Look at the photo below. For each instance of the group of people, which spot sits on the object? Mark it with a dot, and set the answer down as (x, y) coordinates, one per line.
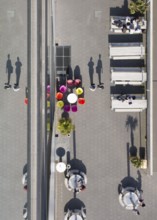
(9, 71)
(126, 97)
(129, 24)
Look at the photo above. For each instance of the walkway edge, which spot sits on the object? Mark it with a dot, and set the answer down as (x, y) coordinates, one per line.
(151, 87)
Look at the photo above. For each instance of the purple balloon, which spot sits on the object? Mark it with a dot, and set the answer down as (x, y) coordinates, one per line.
(63, 89)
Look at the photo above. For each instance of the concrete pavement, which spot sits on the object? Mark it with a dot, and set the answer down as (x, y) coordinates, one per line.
(13, 120)
(102, 139)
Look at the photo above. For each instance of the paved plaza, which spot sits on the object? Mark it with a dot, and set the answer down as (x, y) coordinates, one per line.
(13, 121)
(101, 140)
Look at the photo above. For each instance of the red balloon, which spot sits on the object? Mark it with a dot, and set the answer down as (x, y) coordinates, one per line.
(26, 101)
(81, 101)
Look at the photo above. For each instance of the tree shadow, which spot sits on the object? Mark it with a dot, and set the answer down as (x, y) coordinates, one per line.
(131, 123)
(129, 181)
(65, 115)
(74, 204)
(123, 11)
(133, 151)
(68, 157)
(128, 161)
(74, 144)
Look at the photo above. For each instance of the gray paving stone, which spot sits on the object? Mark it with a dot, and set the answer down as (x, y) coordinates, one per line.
(13, 121)
(101, 134)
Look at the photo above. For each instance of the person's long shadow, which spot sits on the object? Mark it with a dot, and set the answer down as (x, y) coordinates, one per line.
(91, 70)
(9, 68)
(129, 181)
(99, 69)
(18, 65)
(75, 164)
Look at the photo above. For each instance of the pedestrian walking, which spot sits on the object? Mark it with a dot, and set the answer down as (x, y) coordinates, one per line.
(9, 71)
(18, 65)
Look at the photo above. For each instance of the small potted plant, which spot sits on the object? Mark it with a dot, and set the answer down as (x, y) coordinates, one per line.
(65, 126)
(136, 161)
(138, 7)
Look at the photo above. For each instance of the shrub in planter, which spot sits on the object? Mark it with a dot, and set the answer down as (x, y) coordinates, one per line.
(138, 6)
(136, 161)
(65, 126)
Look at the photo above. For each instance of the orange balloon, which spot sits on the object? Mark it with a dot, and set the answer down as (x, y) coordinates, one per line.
(59, 95)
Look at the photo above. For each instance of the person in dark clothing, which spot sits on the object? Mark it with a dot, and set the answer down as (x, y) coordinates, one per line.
(118, 23)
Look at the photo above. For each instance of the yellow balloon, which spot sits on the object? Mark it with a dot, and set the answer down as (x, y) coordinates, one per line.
(60, 104)
(79, 91)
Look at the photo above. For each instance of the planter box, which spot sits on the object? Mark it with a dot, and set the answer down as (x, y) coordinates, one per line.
(143, 164)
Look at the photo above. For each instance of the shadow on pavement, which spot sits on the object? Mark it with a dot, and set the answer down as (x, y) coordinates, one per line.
(127, 63)
(74, 204)
(117, 38)
(123, 11)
